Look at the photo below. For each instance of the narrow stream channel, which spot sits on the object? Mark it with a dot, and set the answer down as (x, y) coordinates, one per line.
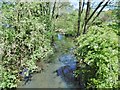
(58, 74)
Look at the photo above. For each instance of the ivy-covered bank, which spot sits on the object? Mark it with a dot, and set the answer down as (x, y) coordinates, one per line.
(24, 41)
(97, 51)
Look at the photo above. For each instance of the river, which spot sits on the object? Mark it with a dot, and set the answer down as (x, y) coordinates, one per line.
(59, 73)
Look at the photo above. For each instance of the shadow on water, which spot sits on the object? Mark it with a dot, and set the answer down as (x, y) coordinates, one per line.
(69, 65)
(64, 68)
(66, 72)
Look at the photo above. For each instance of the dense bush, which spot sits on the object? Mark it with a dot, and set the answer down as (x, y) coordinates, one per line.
(70, 23)
(99, 50)
(23, 39)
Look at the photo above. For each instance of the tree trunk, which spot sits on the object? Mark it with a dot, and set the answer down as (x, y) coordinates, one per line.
(100, 10)
(53, 10)
(86, 16)
(95, 11)
(79, 17)
(98, 13)
(83, 4)
(52, 17)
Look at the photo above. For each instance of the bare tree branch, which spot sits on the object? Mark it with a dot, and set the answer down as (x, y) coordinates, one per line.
(53, 11)
(79, 17)
(100, 10)
(86, 16)
(99, 13)
(95, 11)
(83, 4)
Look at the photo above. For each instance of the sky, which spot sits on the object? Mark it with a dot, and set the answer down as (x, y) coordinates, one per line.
(76, 4)
(73, 2)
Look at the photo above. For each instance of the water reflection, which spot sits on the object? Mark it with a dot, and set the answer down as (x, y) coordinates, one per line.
(66, 72)
(60, 36)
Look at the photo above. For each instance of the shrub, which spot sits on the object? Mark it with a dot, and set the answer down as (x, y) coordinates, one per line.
(99, 50)
(23, 37)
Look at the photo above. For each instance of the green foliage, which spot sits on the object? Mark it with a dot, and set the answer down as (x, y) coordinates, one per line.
(118, 12)
(99, 50)
(68, 23)
(24, 38)
(115, 27)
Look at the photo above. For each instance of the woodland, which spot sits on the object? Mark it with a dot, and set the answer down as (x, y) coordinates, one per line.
(30, 39)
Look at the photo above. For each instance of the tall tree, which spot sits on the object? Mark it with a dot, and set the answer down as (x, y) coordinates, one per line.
(86, 16)
(100, 10)
(99, 5)
(89, 16)
(106, 3)
(53, 10)
(83, 4)
(79, 17)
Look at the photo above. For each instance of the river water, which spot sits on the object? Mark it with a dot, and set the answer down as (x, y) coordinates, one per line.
(58, 74)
